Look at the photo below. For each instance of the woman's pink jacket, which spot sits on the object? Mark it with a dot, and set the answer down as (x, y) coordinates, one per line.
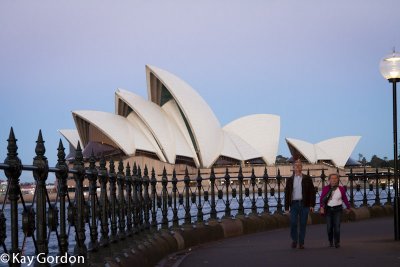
(325, 191)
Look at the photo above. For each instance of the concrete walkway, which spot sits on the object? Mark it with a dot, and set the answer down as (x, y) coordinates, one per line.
(364, 243)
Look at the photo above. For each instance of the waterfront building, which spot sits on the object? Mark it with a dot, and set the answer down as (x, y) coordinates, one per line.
(176, 128)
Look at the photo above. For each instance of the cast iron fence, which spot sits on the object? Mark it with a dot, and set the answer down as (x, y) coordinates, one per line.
(132, 201)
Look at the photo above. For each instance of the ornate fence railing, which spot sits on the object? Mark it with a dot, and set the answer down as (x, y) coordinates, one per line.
(125, 201)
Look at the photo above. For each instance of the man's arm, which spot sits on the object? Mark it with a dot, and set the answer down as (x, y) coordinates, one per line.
(286, 190)
(313, 193)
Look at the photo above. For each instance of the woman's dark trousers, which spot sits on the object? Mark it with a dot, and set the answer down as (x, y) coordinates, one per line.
(333, 217)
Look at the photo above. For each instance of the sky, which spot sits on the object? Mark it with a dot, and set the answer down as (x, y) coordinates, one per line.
(314, 63)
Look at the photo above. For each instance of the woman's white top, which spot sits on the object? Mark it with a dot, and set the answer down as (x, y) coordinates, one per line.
(336, 198)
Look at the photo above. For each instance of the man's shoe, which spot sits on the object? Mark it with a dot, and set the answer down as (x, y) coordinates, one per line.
(331, 244)
(294, 245)
(301, 246)
(337, 245)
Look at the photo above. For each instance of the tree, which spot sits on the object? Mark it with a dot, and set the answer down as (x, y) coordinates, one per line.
(375, 161)
(360, 156)
(364, 161)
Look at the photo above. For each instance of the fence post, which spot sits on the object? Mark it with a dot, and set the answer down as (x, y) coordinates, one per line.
(103, 177)
(92, 176)
(213, 215)
(253, 184)
(112, 177)
(13, 172)
(199, 180)
(240, 178)
(164, 182)
(389, 197)
(62, 176)
(188, 218)
(79, 175)
(121, 200)
(153, 182)
(377, 198)
(265, 178)
(351, 177)
(175, 219)
(365, 200)
(227, 203)
(128, 181)
(135, 199)
(40, 175)
(147, 207)
(323, 177)
(140, 198)
(279, 204)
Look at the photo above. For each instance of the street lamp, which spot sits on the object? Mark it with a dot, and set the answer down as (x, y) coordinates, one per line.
(390, 70)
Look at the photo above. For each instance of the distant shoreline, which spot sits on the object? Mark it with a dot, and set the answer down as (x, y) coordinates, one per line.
(28, 198)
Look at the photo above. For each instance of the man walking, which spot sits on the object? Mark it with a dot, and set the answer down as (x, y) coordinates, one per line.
(299, 200)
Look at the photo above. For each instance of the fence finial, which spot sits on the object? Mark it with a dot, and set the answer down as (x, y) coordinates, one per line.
(120, 166)
(61, 152)
(40, 161)
(186, 171)
(134, 170)
(153, 175)
(128, 169)
(78, 153)
(40, 148)
(12, 147)
(92, 161)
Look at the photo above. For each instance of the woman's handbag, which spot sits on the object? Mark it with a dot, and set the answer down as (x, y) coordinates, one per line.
(328, 196)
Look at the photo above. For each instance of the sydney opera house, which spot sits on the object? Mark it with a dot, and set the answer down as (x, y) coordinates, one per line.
(176, 126)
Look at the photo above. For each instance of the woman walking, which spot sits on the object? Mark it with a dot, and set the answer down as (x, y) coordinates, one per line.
(332, 198)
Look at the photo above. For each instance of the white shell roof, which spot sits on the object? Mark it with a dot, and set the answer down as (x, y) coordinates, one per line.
(126, 135)
(204, 126)
(229, 149)
(72, 136)
(154, 118)
(184, 145)
(338, 149)
(260, 131)
(235, 147)
(137, 123)
(305, 148)
(320, 154)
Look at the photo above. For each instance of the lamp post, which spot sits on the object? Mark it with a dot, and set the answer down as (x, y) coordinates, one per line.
(390, 70)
